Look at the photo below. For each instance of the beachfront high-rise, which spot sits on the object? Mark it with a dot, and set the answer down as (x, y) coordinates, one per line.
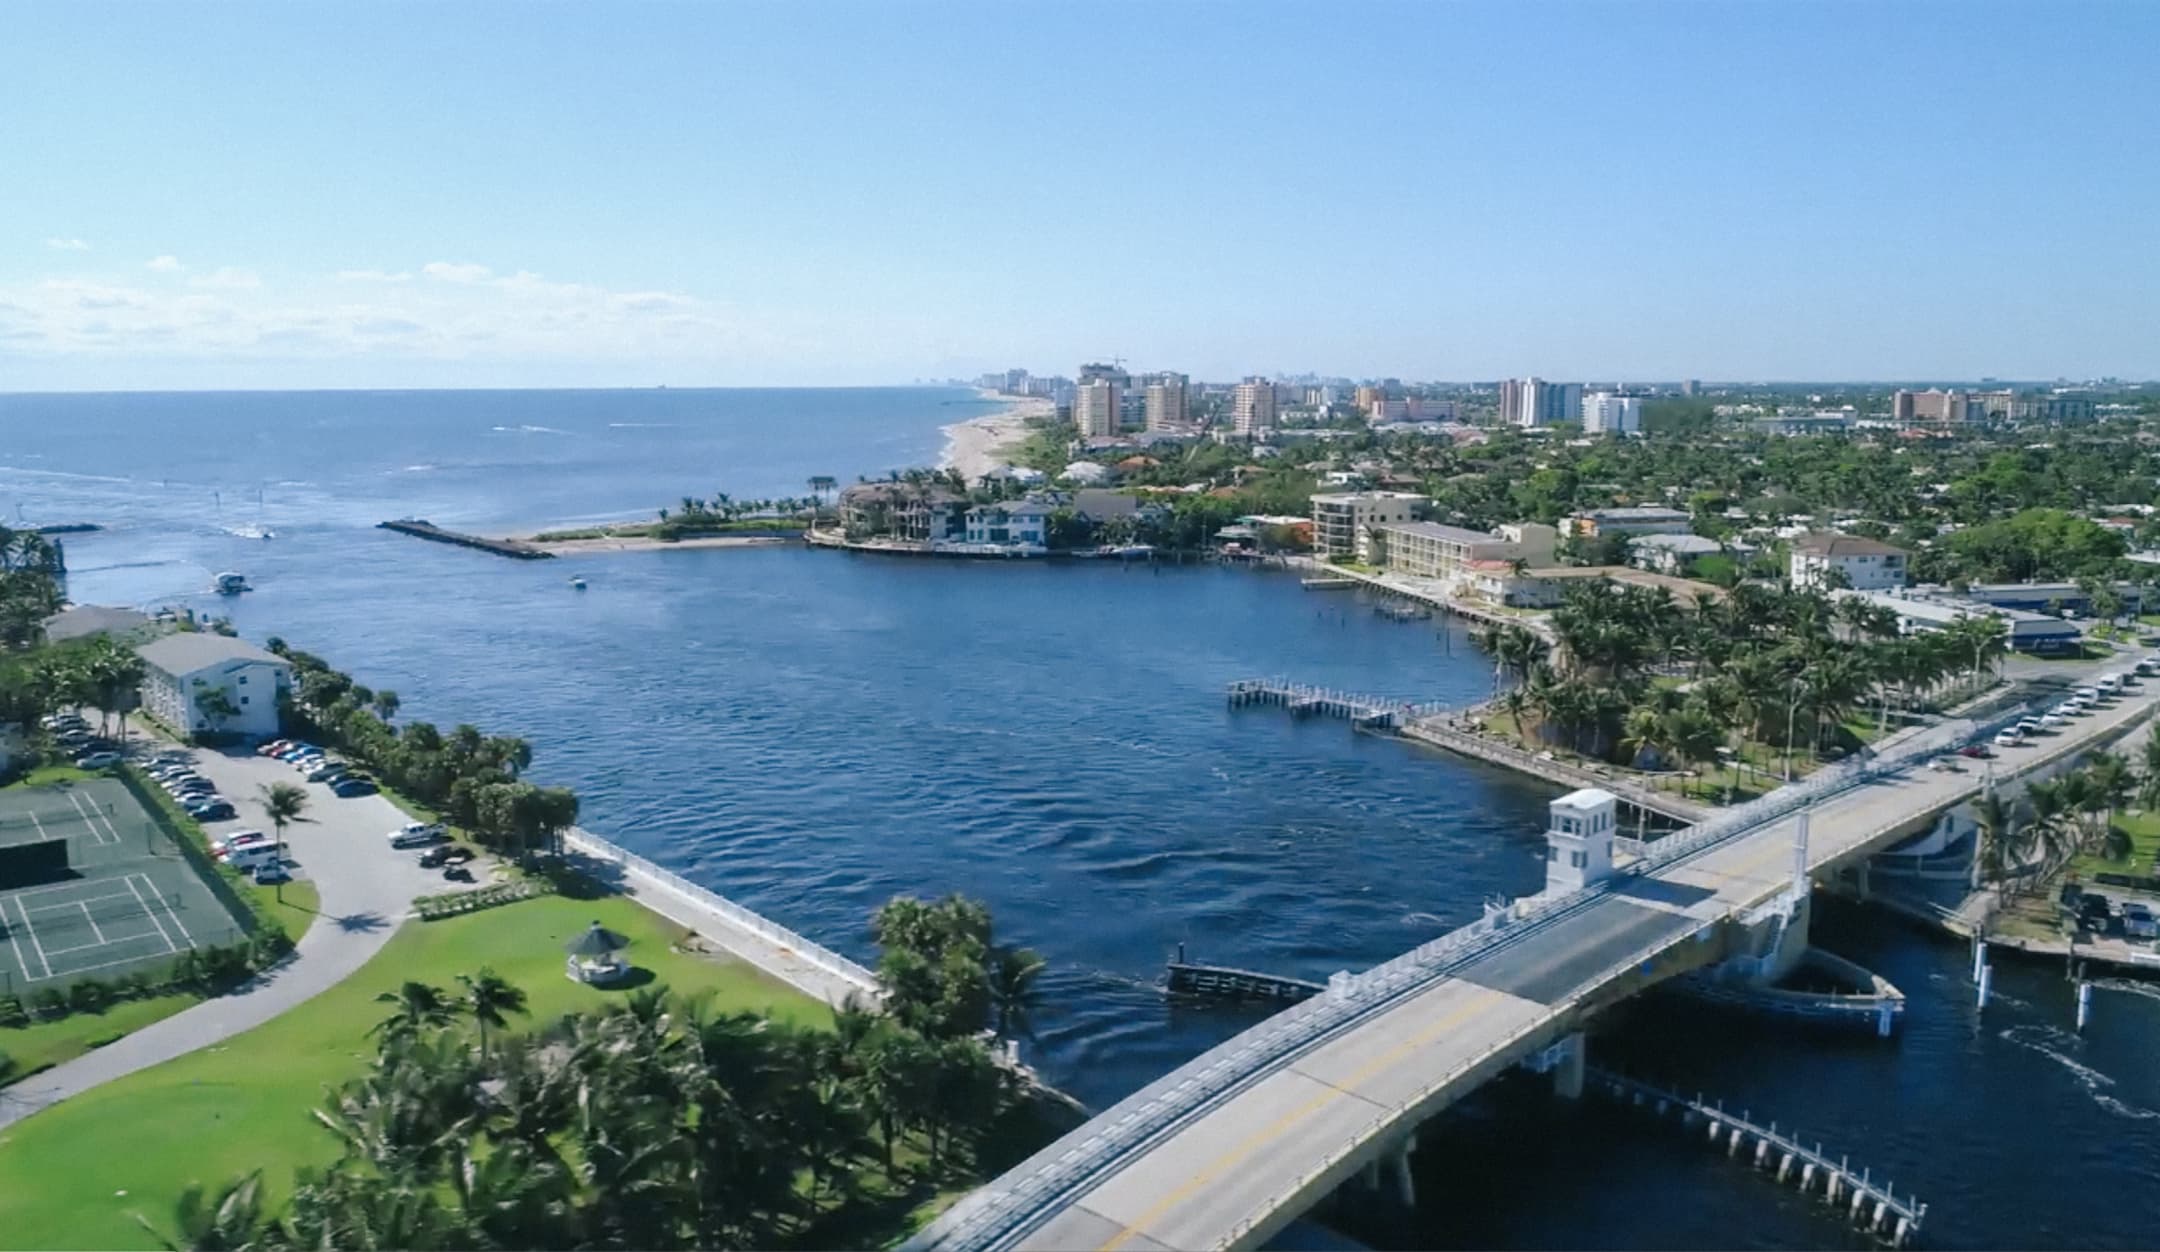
(1096, 403)
(1168, 407)
(1252, 406)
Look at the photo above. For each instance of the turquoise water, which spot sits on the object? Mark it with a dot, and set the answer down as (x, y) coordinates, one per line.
(811, 732)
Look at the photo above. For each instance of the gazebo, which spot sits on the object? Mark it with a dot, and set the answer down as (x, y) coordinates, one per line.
(594, 956)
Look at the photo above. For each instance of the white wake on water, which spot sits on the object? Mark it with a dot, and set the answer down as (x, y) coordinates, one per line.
(2043, 1039)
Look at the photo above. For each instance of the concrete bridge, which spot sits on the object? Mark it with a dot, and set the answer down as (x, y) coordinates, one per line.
(1232, 1146)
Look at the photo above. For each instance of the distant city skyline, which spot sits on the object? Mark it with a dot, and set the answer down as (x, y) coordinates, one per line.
(250, 195)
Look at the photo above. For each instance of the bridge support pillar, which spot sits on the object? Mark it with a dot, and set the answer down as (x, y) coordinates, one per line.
(1371, 1175)
(1860, 879)
(1405, 1186)
(1567, 1075)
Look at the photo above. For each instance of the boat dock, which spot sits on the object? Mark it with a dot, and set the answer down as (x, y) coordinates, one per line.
(1363, 711)
(1872, 1207)
(500, 547)
(1222, 982)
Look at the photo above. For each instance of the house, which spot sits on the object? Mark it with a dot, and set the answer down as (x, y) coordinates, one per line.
(1633, 520)
(1020, 525)
(184, 672)
(1866, 564)
(1431, 550)
(1670, 554)
(84, 621)
(1341, 518)
(909, 512)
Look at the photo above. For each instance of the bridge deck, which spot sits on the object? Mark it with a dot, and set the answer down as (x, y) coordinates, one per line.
(1240, 1167)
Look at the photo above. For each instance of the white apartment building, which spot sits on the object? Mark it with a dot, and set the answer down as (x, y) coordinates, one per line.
(1096, 405)
(1451, 553)
(1341, 518)
(1608, 413)
(180, 672)
(1535, 402)
(1252, 406)
(1168, 405)
(1868, 565)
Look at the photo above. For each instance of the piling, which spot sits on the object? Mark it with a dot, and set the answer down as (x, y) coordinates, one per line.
(2084, 1005)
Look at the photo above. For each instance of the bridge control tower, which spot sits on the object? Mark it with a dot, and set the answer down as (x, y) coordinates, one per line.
(1578, 842)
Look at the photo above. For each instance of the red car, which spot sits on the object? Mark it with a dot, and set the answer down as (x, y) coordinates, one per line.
(1978, 752)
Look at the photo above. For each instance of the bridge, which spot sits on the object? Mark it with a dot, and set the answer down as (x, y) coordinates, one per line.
(1233, 1145)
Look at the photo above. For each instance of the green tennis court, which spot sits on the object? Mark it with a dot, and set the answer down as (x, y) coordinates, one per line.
(91, 886)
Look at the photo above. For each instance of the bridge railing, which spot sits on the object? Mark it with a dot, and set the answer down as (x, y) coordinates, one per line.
(1405, 1110)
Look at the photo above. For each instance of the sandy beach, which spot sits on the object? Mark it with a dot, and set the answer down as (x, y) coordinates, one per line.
(972, 446)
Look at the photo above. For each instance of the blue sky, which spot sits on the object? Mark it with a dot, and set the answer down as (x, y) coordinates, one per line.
(250, 195)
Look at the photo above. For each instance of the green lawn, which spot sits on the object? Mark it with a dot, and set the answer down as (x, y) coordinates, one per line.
(2144, 832)
(50, 776)
(72, 1176)
(36, 1047)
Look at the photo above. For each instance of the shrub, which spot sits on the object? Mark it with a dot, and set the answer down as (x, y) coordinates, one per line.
(11, 1011)
(88, 995)
(48, 1003)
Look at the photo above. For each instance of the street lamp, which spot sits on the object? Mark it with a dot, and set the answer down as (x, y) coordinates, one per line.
(1792, 706)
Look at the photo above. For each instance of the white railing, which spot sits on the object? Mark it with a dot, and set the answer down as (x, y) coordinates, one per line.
(757, 924)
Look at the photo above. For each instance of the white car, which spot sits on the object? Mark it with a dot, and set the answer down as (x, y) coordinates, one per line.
(2009, 738)
(417, 835)
(239, 842)
(98, 760)
(2054, 721)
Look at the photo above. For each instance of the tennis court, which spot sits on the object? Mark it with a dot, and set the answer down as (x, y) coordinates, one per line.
(91, 885)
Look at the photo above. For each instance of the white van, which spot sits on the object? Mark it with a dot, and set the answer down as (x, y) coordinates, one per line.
(2110, 684)
(2086, 695)
(253, 857)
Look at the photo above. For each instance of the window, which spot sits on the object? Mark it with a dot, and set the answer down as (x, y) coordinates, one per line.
(243, 700)
(1578, 859)
(243, 680)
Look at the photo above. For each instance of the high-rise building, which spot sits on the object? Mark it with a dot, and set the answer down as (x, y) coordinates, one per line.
(1167, 405)
(1252, 406)
(1933, 405)
(1535, 402)
(1691, 386)
(1607, 413)
(1096, 407)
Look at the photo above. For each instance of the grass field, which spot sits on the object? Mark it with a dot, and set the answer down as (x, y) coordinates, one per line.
(32, 1048)
(72, 1177)
(2144, 832)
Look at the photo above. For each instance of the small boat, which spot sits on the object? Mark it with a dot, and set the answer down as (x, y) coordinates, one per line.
(230, 583)
(577, 583)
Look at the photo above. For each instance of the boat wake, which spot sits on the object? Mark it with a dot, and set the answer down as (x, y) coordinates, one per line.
(2128, 987)
(528, 430)
(249, 531)
(2044, 1040)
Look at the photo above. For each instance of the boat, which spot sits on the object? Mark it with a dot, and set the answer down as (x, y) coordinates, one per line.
(577, 583)
(230, 583)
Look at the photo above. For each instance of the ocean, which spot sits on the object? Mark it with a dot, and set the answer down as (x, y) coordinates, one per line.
(812, 732)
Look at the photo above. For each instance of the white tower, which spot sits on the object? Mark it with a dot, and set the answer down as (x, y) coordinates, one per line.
(1578, 843)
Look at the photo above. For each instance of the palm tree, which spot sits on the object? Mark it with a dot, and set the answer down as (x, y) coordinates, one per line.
(420, 1006)
(233, 1221)
(1013, 995)
(488, 998)
(1996, 832)
(386, 704)
(282, 802)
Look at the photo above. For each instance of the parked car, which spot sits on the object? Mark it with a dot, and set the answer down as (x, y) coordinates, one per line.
(276, 746)
(2138, 922)
(2093, 915)
(418, 835)
(98, 760)
(289, 755)
(445, 854)
(237, 839)
(270, 873)
(1943, 764)
(60, 721)
(328, 771)
(1977, 751)
(214, 809)
(2054, 721)
(351, 785)
(159, 771)
(458, 873)
(2009, 738)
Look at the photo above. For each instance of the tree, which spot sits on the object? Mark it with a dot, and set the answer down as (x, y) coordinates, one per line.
(386, 704)
(282, 802)
(216, 704)
(488, 999)
(234, 1220)
(1013, 995)
(418, 1006)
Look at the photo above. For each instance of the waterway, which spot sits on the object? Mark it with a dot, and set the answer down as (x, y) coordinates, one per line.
(812, 732)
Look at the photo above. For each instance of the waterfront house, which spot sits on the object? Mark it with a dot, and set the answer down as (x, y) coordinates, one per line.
(910, 512)
(1865, 564)
(182, 671)
(1543, 588)
(1020, 525)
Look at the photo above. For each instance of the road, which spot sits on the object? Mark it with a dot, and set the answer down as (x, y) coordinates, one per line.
(1240, 1165)
(365, 889)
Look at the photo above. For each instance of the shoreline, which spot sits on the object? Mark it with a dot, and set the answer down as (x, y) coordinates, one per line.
(972, 447)
(643, 543)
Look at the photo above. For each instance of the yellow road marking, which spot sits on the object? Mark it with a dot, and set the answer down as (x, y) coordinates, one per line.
(1222, 1164)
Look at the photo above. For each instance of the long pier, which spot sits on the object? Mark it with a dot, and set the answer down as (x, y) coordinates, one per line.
(1873, 1207)
(500, 547)
(1366, 712)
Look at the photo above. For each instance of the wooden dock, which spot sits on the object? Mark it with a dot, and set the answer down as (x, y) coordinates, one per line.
(500, 547)
(1873, 1208)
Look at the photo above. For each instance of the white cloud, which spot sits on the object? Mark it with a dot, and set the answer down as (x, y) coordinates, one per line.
(458, 272)
(227, 278)
(59, 244)
(167, 264)
(374, 276)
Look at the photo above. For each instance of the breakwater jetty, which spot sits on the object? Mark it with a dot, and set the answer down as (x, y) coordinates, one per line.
(511, 548)
(1875, 1208)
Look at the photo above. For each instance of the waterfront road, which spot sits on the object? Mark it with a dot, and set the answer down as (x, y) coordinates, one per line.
(365, 892)
(1229, 1170)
